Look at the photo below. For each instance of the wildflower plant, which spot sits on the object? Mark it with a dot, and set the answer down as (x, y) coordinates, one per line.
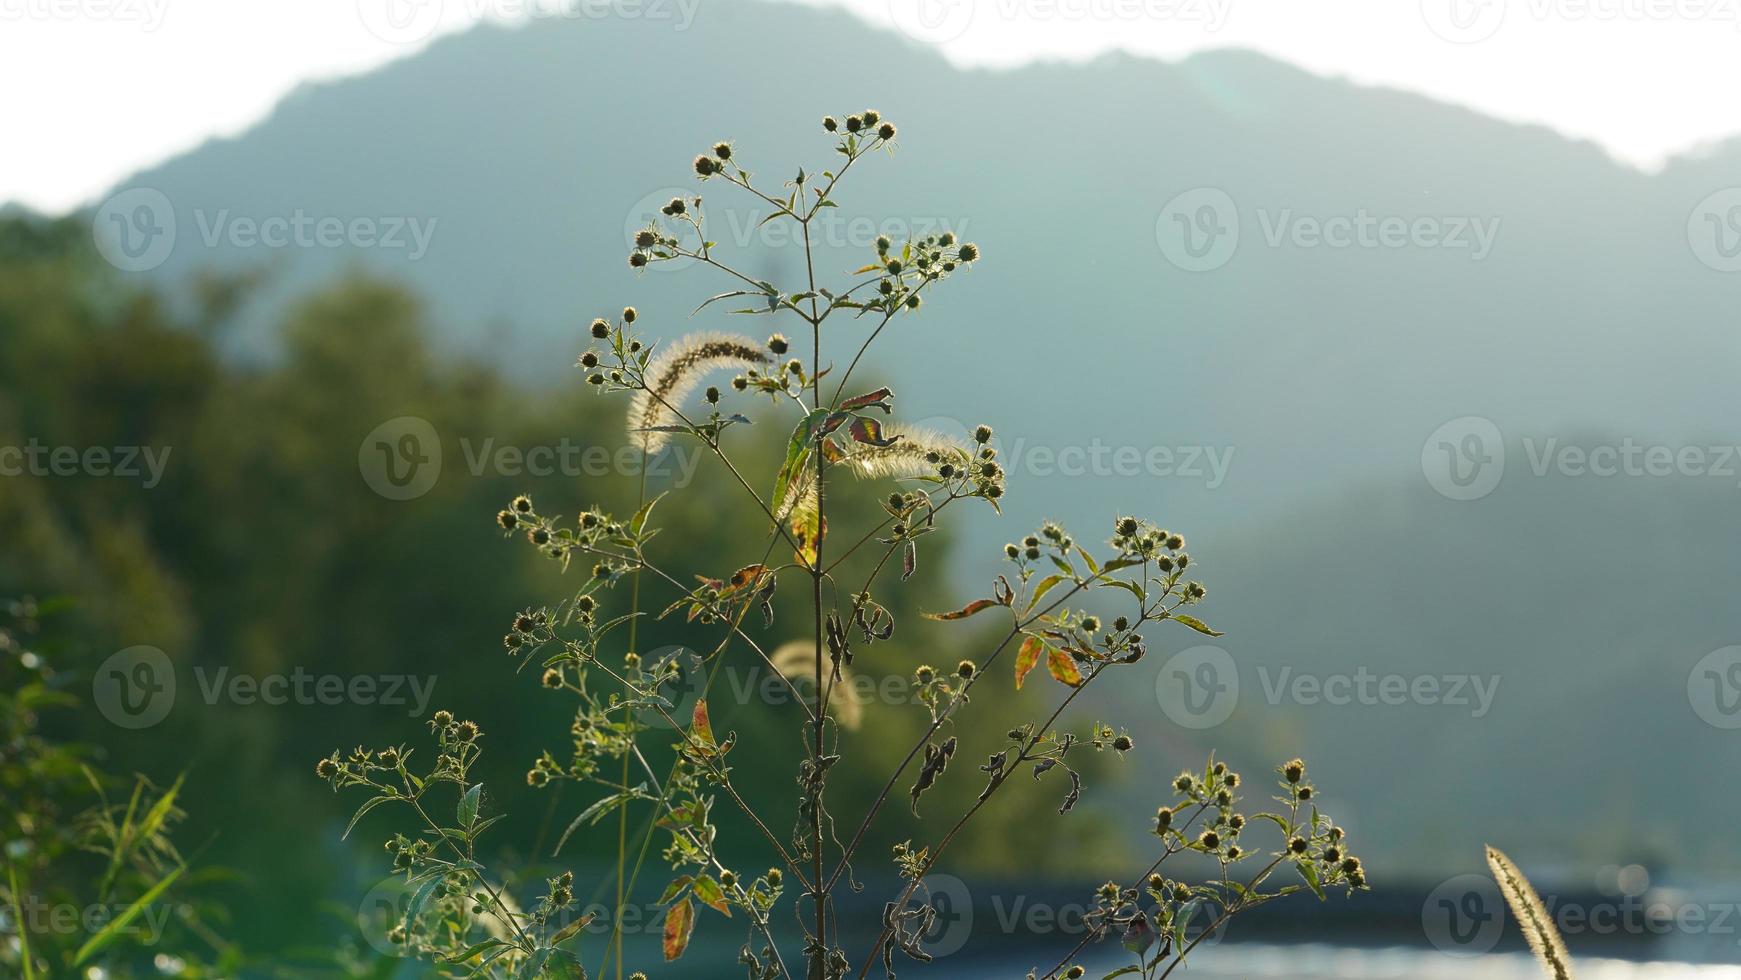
(714, 389)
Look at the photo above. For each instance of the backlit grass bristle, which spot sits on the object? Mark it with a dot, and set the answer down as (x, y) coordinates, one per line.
(677, 370)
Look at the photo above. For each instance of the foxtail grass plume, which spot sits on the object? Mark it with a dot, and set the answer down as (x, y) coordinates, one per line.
(1532, 916)
(909, 455)
(676, 371)
(796, 661)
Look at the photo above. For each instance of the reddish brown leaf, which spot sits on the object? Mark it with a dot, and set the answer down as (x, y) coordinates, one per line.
(976, 606)
(879, 398)
(679, 924)
(700, 726)
(1027, 658)
(870, 432)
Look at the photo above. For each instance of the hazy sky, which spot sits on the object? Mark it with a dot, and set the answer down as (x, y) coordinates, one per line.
(95, 89)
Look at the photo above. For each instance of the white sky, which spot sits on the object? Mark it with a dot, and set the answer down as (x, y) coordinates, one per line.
(91, 90)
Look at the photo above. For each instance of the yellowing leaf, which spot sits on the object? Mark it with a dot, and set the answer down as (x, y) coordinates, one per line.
(701, 726)
(679, 924)
(1027, 658)
(1061, 667)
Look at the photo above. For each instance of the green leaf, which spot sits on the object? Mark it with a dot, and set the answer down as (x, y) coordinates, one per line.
(114, 929)
(475, 949)
(1196, 624)
(1044, 587)
(418, 899)
(640, 519)
(674, 889)
(534, 964)
(598, 811)
(365, 808)
(19, 920)
(467, 811)
(797, 455)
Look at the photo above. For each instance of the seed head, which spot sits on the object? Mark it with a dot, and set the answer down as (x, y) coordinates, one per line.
(829, 124)
(965, 669)
(506, 519)
(722, 150)
(886, 131)
(777, 343)
(968, 252)
(645, 238)
(706, 166)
